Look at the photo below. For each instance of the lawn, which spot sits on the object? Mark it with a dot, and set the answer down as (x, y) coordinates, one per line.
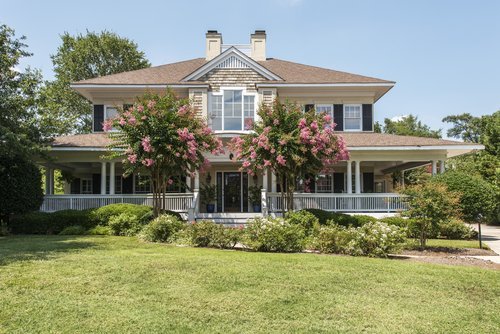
(118, 285)
(445, 243)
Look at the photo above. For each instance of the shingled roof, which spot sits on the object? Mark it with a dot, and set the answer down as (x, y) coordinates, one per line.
(353, 139)
(172, 74)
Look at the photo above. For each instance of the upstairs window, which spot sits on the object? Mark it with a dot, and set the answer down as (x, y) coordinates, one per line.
(231, 110)
(325, 108)
(352, 117)
(109, 113)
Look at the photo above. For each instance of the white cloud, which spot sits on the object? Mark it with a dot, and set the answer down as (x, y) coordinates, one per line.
(398, 118)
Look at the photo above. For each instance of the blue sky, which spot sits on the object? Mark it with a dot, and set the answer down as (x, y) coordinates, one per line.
(444, 55)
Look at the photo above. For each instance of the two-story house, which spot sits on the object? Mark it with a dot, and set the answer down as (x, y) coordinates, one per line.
(226, 87)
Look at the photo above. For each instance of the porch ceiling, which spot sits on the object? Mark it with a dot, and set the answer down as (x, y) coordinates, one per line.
(405, 166)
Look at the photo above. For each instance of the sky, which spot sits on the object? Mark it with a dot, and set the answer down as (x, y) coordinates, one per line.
(443, 54)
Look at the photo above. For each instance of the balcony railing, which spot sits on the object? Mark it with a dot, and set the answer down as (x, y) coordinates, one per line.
(174, 202)
(384, 202)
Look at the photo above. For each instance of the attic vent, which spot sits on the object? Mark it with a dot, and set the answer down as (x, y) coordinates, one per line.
(198, 102)
(232, 62)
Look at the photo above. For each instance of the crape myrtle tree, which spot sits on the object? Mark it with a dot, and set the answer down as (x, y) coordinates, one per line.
(163, 136)
(291, 143)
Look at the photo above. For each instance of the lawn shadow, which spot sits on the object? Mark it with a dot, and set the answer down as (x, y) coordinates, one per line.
(36, 247)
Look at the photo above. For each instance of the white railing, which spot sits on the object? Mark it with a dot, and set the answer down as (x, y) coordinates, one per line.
(173, 202)
(383, 202)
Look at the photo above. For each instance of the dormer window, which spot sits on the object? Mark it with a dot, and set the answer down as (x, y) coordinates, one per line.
(232, 110)
(352, 117)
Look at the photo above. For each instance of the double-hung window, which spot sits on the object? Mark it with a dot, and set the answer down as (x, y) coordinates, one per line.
(352, 117)
(110, 112)
(324, 183)
(232, 110)
(325, 108)
(142, 183)
(86, 186)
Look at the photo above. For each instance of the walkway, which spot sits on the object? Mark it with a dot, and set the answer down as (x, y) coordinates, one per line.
(491, 237)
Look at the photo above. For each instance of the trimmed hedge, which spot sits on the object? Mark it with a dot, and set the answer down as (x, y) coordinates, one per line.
(327, 217)
(162, 229)
(51, 223)
(103, 214)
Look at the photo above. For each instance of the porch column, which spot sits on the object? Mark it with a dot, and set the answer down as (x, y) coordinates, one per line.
(349, 177)
(441, 167)
(103, 178)
(357, 176)
(188, 183)
(273, 183)
(263, 197)
(112, 178)
(192, 212)
(434, 167)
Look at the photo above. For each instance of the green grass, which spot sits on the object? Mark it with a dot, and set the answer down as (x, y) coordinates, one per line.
(63, 284)
(412, 243)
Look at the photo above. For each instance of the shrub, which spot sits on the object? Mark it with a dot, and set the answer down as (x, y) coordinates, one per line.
(227, 237)
(162, 229)
(99, 230)
(408, 225)
(125, 224)
(307, 220)
(274, 235)
(456, 229)
(376, 239)
(201, 234)
(333, 239)
(326, 217)
(103, 214)
(50, 223)
(73, 230)
(477, 196)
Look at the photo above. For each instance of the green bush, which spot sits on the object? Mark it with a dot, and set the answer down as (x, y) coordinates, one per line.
(162, 229)
(326, 217)
(376, 239)
(457, 230)
(477, 196)
(307, 220)
(73, 230)
(125, 224)
(50, 223)
(333, 239)
(274, 235)
(408, 225)
(99, 230)
(227, 237)
(202, 234)
(103, 214)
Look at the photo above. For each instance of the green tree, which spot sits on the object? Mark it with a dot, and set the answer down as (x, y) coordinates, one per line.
(409, 126)
(430, 204)
(78, 58)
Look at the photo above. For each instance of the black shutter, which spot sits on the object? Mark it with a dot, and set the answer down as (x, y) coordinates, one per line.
(96, 183)
(368, 180)
(75, 186)
(308, 107)
(338, 116)
(98, 117)
(367, 117)
(338, 182)
(128, 185)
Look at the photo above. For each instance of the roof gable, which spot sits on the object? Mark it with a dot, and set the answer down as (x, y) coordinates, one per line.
(232, 58)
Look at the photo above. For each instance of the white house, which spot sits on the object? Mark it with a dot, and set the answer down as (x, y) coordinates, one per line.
(226, 87)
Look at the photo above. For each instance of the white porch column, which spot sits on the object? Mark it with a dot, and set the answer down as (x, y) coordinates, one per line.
(263, 198)
(112, 178)
(357, 176)
(273, 182)
(441, 167)
(188, 183)
(49, 181)
(434, 167)
(103, 178)
(193, 211)
(349, 177)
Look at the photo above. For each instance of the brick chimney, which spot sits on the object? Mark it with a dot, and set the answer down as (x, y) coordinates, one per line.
(258, 45)
(213, 44)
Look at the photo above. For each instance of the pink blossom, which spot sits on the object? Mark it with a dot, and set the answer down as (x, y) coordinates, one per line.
(140, 108)
(248, 124)
(132, 158)
(302, 123)
(267, 163)
(327, 118)
(281, 160)
(183, 110)
(146, 144)
(151, 104)
(253, 155)
(107, 125)
(246, 164)
(170, 181)
(147, 162)
(276, 121)
(122, 121)
(282, 142)
(132, 120)
(144, 117)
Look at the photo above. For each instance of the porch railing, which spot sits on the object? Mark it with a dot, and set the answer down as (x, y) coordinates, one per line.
(173, 202)
(383, 202)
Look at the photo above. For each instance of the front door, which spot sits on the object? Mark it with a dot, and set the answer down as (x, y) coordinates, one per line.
(232, 192)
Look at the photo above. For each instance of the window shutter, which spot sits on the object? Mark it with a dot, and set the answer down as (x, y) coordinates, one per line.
(338, 182)
(338, 116)
(96, 183)
(198, 103)
(267, 97)
(368, 180)
(367, 117)
(308, 107)
(75, 186)
(128, 185)
(98, 117)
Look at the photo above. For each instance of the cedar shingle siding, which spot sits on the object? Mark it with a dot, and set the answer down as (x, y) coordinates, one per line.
(231, 78)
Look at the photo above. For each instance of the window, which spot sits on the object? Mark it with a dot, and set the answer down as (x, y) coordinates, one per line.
(142, 183)
(325, 108)
(86, 186)
(352, 117)
(110, 112)
(118, 184)
(324, 183)
(232, 111)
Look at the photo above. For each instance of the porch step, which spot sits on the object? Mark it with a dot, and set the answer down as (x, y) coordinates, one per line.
(228, 219)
